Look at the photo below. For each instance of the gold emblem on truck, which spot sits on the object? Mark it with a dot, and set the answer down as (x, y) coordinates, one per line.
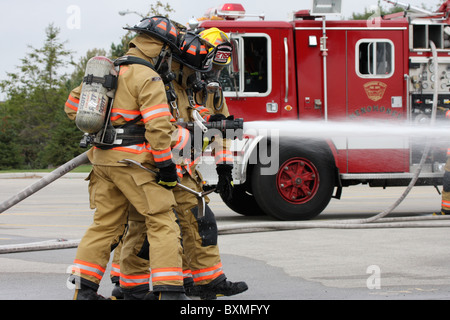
(375, 90)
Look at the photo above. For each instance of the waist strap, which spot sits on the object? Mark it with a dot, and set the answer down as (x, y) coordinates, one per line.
(123, 136)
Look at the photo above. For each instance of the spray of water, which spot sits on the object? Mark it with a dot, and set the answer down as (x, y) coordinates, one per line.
(333, 129)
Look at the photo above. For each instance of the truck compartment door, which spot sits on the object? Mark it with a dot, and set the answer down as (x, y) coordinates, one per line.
(376, 91)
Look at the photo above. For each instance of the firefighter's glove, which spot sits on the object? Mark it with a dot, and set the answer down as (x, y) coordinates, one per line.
(167, 176)
(225, 184)
(206, 143)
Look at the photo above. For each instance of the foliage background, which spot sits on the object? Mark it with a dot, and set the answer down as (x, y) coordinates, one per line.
(35, 132)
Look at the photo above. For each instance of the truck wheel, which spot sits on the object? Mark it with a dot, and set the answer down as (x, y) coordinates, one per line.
(243, 203)
(301, 188)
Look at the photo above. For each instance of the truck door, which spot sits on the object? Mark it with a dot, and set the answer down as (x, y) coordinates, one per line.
(263, 87)
(376, 90)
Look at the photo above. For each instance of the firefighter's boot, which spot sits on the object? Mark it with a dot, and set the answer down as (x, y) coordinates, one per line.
(139, 293)
(173, 295)
(86, 293)
(189, 288)
(443, 212)
(220, 288)
(117, 292)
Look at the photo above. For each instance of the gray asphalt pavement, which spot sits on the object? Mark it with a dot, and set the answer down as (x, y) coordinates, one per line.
(390, 263)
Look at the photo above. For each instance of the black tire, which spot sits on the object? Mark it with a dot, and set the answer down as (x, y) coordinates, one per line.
(303, 185)
(243, 202)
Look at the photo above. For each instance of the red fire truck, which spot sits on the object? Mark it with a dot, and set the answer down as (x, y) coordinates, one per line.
(314, 68)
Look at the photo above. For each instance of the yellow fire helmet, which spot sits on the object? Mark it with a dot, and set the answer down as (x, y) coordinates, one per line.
(222, 45)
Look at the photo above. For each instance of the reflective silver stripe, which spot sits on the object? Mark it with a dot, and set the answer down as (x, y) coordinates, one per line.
(135, 280)
(115, 269)
(167, 275)
(445, 204)
(136, 148)
(127, 116)
(73, 104)
(207, 273)
(155, 112)
(162, 155)
(82, 267)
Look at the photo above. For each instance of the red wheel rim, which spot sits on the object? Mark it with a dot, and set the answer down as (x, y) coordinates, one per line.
(297, 180)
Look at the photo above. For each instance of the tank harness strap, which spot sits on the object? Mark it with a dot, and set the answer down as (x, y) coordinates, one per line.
(129, 133)
(133, 60)
(167, 77)
(109, 81)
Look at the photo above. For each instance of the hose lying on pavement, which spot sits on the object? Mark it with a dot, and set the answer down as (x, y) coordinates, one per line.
(401, 222)
(41, 245)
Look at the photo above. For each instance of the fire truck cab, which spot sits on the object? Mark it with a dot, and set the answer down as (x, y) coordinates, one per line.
(313, 68)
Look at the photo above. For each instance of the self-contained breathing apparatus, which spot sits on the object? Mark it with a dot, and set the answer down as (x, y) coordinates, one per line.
(101, 133)
(100, 82)
(95, 83)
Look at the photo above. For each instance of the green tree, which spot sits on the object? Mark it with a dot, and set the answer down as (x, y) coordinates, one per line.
(35, 96)
(388, 9)
(10, 156)
(368, 13)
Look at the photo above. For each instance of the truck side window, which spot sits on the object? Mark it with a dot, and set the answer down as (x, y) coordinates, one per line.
(374, 58)
(253, 77)
(255, 63)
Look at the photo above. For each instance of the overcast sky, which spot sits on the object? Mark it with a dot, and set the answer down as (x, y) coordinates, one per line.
(87, 24)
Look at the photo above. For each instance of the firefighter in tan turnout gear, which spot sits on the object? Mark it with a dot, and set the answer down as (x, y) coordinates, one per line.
(203, 271)
(140, 109)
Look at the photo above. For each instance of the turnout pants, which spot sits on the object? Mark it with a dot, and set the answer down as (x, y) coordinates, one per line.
(201, 258)
(112, 190)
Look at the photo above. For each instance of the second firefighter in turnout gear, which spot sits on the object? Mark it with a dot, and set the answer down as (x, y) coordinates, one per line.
(203, 271)
(445, 205)
(140, 104)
